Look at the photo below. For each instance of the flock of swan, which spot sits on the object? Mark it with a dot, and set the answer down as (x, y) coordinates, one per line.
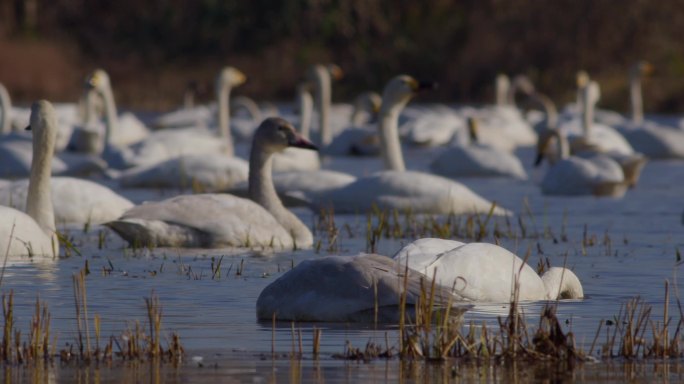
(44, 181)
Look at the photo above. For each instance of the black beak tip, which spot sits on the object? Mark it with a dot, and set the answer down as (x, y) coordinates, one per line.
(427, 85)
(28, 128)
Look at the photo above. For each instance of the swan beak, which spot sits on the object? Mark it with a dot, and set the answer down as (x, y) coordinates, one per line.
(336, 72)
(538, 159)
(647, 68)
(28, 128)
(300, 142)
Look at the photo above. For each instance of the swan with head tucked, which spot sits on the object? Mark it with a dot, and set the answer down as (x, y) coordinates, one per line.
(220, 220)
(33, 233)
(477, 160)
(359, 288)
(483, 272)
(396, 188)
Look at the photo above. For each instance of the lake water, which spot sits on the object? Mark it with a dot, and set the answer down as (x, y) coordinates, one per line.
(635, 238)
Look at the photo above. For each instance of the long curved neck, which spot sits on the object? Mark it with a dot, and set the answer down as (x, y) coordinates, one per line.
(562, 145)
(389, 138)
(322, 104)
(305, 105)
(550, 111)
(262, 191)
(635, 97)
(223, 100)
(39, 199)
(111, 115)
(587, 113)
(5, 108)
(248, 105)
(502, 87)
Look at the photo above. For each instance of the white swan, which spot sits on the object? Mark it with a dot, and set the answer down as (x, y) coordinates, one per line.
(584, 145)
(572, 175)
(485, 272)
(33, 233)
(75, 201)
(359, 138)
(166, 144)
(657, 141)
(397, 188)
(348, 289)
(219, 220)
(477, 160)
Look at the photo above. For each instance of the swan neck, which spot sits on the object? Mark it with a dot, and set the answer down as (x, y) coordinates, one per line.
(39, 199)
(502, 88)
(262, 191)
(587, 114)
(636, 98)
(305, 105)
(322, 104)
(111, 114)
(562, 145)
(389, 138)
(550, 111)
(223, 100)
(5, 108)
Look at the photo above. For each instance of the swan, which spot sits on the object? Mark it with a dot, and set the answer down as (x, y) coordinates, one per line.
(33, 233)
(358, 138)
(654, 140)
(75, 201)
(483, 272)
(165, 144)
(320, 77)
(348, 289)
(585, 146)
(220, 220)
(396, 188)
(597, 175)
(477, 160)
(297, 159)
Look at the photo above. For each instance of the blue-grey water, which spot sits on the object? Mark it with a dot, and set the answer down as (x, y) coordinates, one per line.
(635, 245)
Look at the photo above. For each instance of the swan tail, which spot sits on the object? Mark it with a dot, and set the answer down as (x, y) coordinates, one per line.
(155, 233)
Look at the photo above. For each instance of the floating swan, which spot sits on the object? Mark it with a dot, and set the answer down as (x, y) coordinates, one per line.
(572, 175)
(75, 201)
(485, 272)
(166, 144)
(347, 289)
(397, 188)
(220, 220)
(654, 140)
(477, 160)
(33, 233)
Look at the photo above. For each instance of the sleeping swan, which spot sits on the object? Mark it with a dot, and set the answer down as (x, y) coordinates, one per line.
(346, 289)
(221, 220)
(486, 272)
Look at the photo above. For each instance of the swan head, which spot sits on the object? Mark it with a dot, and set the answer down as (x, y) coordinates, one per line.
(399, 91)
(642, 67)
(582, 79)
(336, 73)
(331, 71)
(98, 80)
(562, 283)
(523, 84)
(275, 134)
(42, 115)
(230, 77)
(368, 101)
(592, 92)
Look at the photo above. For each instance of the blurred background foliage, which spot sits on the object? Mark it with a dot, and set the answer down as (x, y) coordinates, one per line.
(152, 49)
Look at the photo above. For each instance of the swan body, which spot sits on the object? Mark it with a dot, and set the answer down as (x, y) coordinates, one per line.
(345, 289)
(209, 172)
(483, 272)
(75, 201)
(397, 188)
(477, 159)
(218, 220)
(596, 174)
(33, 233)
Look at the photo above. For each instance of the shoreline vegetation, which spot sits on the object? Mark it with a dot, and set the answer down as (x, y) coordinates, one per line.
(154, 53)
